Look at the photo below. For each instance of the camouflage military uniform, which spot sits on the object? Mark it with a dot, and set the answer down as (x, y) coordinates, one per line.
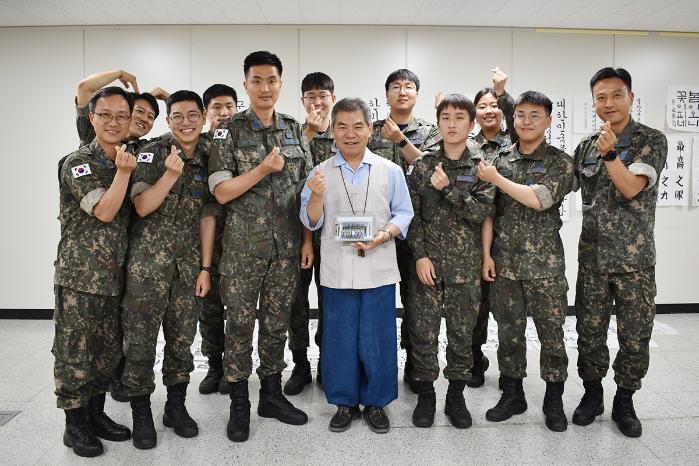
(426, 137)
(447, 230)
(212, 312)
(162, 269)
(86, 132)
(530, 263)
(89, 279)
(491, 149)
(322, 147)
(261, 240)
(616, 256)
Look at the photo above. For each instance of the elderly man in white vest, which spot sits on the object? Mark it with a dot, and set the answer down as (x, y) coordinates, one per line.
(361, 202)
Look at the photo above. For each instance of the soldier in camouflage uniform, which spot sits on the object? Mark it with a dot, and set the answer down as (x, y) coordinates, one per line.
(532, 179)
(450, 204)
(402, 138)
(144, 113)
(259, 162)
(318, 98)
(617, 170)
(220, 103)
(492, 104)
(169, 266)
(89, 276)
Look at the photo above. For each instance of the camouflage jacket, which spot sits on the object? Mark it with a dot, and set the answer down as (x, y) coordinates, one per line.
(447, 228)
(527, 243)
(264, 220)
(322, 145)
(421, 134)
(617, 233)
(169, 236)
(505, 138)
(91, 253)
(86, 132)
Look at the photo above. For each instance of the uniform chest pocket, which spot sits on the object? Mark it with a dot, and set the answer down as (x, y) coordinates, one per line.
(170, 204)
(198, 185)
(534, 174)
(293, 161)
(416, 140)
(247, 158)
(590, 166)
(506, 172)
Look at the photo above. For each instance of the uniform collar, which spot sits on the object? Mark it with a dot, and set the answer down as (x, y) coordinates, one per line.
(197, 158)
(538, 154)
(468, 158)
(257, 125)
(624, 138)
(99, 155)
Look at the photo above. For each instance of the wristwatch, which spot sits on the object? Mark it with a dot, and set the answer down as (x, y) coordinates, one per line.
(609, 156)
(206, 269)
(388, 232)
(446, 190)
(403, 142)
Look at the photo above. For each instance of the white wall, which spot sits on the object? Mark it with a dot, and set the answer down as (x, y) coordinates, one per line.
(43, 65)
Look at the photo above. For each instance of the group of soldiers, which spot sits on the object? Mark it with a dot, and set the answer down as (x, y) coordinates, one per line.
(196, 226)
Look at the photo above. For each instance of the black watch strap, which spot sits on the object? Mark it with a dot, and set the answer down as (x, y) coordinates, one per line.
(446, 190)
(209, 269)
(403, 142)
(609, 156)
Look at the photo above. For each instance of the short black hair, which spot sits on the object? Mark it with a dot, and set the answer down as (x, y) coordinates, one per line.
(148, 98)
(182, 96)
(483, 92)
(403, 74)
(317, 80)
(534, 98)
(262, 57)
(457, 101)
(218, 90)
(352, 104)
(108, 92)
(609, 72)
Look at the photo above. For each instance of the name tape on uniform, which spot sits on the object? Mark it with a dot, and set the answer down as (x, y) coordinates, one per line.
(81, 170)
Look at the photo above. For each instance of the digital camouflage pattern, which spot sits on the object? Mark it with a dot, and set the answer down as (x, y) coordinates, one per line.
(423, 135)
(91, 254)
(264, 221)
(617, 233)
(546, 301)
(447, 230)
(163, 265)
(633, 294)
(148, 303)
(527, 244)
(616, 256)
(275, 281)
(86, 347)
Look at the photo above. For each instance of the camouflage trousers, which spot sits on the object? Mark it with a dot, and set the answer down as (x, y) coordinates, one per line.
(480, 331)
(274, 281)
(86, 345)
(300, 311)
(211, 321)
(545, 300)
(408, 284)
(147, 304)
(634, 296)
(459, 304)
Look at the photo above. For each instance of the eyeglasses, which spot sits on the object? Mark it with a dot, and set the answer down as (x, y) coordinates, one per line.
(178, 118)
(533, 117)
(398, 88)
(313, 98)
(120, 118)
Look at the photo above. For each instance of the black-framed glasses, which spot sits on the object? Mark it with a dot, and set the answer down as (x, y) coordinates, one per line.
(120, 118)
(192, 117)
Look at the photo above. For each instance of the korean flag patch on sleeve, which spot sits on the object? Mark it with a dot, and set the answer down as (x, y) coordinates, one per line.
(221, 133)
(145, 157)
(81, 170)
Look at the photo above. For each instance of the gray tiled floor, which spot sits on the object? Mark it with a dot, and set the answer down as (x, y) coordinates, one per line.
(668, 405)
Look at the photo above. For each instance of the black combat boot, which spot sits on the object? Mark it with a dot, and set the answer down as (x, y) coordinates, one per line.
(512, 401)
(455, 406)
(275, 405)
(423, 415)
(144, 436)
(116, 388)
(591, 405)
(480, 365)
(238, 429)
(408, 371)
(624, 415)
(553, 407)
(301, 375)
(101, 425)
(176, 415)
(77, 434)
(213, 377)
(224, 387)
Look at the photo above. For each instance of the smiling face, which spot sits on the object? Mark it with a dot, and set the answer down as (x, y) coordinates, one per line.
(185, 121)
(263, 85)
(488, 114)
(531, 122)
(142, 119)
(454, 124)
(612, 101)
(351, 134)
(318, 99)
(111, 119)
(402, 95)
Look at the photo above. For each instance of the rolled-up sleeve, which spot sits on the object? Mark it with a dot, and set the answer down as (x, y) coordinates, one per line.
(305, 197)
(91, 199)
(401, 206)
(216, 178)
